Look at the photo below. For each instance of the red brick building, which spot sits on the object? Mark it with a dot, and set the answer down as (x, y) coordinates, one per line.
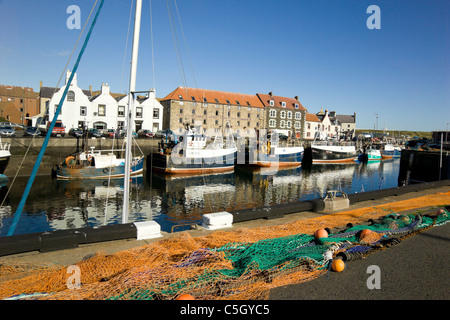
(18, 104)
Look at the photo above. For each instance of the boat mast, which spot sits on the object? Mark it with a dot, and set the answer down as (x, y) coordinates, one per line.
(134, 58)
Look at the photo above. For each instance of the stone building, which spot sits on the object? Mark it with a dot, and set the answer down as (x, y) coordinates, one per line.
(284, 115)
(212, 109)
(18, 104)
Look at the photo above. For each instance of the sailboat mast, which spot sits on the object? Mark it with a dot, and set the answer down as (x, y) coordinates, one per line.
(131, 99)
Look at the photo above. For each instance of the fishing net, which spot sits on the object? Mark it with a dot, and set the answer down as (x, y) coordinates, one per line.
(236, 264)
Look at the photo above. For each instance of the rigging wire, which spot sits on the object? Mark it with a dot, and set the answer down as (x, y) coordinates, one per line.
(54, 91)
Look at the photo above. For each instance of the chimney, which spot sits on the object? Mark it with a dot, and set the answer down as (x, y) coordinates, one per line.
(40, 85)
(296, 98)
(105, 88)
(270, 93)
(90, 89)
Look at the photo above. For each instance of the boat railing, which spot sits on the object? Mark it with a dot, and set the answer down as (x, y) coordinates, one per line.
(5, 146)
(333, 143)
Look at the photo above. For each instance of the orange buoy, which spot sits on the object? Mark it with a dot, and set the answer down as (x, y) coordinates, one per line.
(365, 232)
(338, 265)
(185, 296)
(321, 233)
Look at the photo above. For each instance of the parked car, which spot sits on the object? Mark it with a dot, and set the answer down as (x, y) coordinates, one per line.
(94, 133)
(76, 132)
(7, 131)
(144, 133)
(113, 133)
(32, 131)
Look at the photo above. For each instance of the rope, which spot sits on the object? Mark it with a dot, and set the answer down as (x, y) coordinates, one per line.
(40, 121)
(50, 129)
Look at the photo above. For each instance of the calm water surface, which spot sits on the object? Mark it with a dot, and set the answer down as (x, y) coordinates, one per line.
(171, 201)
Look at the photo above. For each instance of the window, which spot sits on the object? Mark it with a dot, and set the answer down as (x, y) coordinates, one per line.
(282, 123)
(298, 116)
(71, 96)
(204, 121)
(181, 120)
(289, 114)
(204, 112)
(297, 125)
(273, 113)
(180, 96)
(120, 125)
(193, 98)
(288, 124)
(217, 101)
(309, 125)
(121, 111)
(283, 104)
(83, 111)
(272, 103)
(193, 111)
(56, 108)
(101, 110)
(228, 101)
(282, 114)
(181, 111)
(216, 122)
(239, 114)
(155, 113)
(248, 115)
(204, 100)
(272, 123)
(139, 112)
(217, 112)
(237, 102)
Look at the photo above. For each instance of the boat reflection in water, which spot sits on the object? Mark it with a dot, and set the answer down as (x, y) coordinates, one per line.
(173, 200)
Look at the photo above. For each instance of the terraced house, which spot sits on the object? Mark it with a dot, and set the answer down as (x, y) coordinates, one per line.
(212, 109)
(284, 115)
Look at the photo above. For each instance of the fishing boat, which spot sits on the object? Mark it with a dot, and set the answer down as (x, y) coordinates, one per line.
(191, 154)
(370, 154)
(390, 151)
(95, 164)
(5, 156)
(272, 154)
(333, 153)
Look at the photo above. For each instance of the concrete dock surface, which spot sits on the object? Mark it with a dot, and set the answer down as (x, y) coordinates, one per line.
(417, 268)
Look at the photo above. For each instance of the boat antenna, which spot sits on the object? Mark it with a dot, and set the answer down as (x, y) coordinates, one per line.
(132, 91)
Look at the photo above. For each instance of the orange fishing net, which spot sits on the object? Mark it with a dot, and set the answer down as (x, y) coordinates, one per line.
(240, 263)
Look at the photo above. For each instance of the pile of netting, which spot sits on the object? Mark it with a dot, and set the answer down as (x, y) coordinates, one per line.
(235, 264)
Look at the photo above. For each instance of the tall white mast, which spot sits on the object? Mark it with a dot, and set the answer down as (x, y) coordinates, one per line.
(130, 110)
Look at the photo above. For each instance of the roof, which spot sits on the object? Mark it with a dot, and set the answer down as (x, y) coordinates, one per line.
(311, 117)
(290, 102)
(19, 92)
(47, 92)
(214, 96)
(345, 118)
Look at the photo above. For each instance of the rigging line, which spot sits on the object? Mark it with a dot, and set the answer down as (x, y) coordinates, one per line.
(54, 91)
(126, 47)
(151, 36)
(185, 43)
(50, 129)
(175, 42)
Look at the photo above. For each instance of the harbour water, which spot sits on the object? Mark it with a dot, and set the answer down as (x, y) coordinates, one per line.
(176, 202)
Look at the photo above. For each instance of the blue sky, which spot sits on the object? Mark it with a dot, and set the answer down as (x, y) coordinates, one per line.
(318, 50)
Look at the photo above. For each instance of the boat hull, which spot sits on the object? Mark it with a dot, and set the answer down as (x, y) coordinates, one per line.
(281, 157)
(88, 172)
(333, 154)
(4, 161)
(191, 165)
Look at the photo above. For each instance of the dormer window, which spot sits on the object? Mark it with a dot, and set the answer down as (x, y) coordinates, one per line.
(272, 103)
(180, 96)
(204, 100)
(217, 101)
(296, 106)
(283, 104)
(193, 98)
(237, 102)
(228, 101)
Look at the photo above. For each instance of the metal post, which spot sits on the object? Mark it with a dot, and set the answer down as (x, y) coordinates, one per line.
(134, 58)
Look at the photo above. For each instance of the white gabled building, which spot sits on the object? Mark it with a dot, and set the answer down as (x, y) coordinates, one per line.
(104, 111)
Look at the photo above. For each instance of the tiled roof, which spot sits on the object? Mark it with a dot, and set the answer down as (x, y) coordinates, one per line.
(290, 102)
(345, 118)
(213, 96)
(19, 92)
(312, 117)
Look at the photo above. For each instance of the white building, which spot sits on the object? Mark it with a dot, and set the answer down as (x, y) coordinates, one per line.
(103, 111)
